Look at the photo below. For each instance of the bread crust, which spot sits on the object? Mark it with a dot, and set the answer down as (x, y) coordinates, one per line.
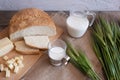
(36, 47)
(29, 52)
(27, 13)
(30, 17)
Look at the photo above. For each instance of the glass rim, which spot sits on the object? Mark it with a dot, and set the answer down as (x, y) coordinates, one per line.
(50, 43)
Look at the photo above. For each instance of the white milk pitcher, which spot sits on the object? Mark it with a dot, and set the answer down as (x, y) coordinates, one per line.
(77, 23)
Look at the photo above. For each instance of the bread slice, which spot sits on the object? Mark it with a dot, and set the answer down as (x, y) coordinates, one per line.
(5, 46)
(40, 42)
(21, 47)
(31, 22)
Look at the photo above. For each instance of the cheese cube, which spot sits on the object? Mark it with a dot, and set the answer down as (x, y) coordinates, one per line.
(17, 58)
(11, 66)
(7, 73)
(16, 69)
(21, 57)
(15, 64)
(10, 62)
(1, 67)
(5, 58)
(19, 61)
(13, 60)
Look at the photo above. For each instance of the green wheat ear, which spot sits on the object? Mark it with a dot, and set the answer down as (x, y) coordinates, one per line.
(106, 38)
(79, 59)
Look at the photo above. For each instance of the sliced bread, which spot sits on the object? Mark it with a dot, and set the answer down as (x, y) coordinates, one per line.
(30, 22)
(40, 42)
(21, 47)
(5, 46)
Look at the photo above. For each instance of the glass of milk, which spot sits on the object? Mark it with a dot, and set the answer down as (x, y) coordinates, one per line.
(57, 53)
(78, 22)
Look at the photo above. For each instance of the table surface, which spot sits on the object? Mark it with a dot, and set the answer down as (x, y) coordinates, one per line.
(43, 70)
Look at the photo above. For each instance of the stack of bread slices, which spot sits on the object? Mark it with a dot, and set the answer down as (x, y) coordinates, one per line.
(29, 29)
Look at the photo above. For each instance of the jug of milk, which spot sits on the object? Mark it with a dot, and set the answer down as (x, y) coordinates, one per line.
(77, 22)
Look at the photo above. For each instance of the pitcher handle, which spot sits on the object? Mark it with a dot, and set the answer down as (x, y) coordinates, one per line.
(93, 17)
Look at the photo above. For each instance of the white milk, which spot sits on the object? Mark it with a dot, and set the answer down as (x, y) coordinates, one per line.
(77, 25)
(57, 53)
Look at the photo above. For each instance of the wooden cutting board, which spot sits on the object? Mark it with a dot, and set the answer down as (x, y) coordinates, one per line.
(29, 60)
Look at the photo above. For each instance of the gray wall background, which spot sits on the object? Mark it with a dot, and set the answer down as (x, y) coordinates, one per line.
(96, 5)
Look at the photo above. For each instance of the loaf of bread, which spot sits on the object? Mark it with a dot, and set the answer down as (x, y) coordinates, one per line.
(31, 22)
(21, 47)
(5, 46)
(40, 42)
